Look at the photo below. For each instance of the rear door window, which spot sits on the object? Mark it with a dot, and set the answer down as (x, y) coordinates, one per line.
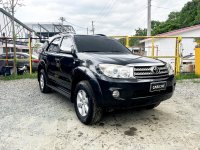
(66, 44)
(54, 46)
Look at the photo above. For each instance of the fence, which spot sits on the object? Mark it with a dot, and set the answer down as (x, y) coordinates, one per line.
(22, 45)
(151, 42)
(176, 42)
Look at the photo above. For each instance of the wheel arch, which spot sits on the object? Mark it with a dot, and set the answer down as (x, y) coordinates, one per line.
(40, 67)
(81, 74)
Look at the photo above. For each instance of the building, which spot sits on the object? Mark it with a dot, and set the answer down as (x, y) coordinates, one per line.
(22, 32)
(50, 29)
(166, 46)
(137, 50)
(188, 63)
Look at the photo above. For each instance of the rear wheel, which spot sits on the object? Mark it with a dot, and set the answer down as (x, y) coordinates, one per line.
(43, 82)
(85, 104)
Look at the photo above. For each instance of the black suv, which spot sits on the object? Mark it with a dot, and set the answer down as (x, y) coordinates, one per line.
(98, 73)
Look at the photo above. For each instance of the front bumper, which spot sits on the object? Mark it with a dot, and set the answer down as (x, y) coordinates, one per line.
(134, 93)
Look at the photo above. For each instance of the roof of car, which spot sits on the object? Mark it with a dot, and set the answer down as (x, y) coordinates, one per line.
(67, 34)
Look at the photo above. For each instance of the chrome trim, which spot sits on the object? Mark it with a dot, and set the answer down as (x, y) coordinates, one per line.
(146, 64)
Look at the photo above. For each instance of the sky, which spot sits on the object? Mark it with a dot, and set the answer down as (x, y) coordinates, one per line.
(111, 17)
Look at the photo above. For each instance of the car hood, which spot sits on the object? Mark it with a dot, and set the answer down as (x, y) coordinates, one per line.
(120, 59)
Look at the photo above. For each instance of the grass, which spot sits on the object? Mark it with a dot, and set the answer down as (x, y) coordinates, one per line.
(34, 76)
(187, 76)
(196, 81)
(17, 77)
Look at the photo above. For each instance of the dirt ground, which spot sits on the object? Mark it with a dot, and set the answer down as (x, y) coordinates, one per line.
(31, 120)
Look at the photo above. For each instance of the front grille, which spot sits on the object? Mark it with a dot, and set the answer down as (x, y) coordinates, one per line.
(145, 72)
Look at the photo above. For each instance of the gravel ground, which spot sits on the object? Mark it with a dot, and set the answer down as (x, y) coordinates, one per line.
(32, 120)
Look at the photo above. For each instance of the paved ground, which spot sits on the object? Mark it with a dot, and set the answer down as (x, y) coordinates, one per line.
(31, 120)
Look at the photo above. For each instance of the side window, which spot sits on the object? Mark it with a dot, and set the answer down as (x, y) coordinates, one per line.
(54, 46)
(66, 44)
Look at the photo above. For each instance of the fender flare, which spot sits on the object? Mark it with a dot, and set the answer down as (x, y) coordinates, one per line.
(83, 73)
(41, 66)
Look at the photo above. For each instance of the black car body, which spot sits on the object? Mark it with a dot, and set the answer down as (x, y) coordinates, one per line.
(74, 64)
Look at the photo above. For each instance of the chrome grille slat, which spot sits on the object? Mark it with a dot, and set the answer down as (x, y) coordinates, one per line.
(144, 72)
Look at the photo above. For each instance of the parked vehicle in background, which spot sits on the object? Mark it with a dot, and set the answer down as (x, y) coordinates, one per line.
(99, 73)
(22, 60)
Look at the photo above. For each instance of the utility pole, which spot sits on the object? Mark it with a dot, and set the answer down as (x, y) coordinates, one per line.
(13, 35)
(62, 19)
(149, 19)
(93, 27)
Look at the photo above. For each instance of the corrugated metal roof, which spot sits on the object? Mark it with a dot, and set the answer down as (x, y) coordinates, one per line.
(176, 32)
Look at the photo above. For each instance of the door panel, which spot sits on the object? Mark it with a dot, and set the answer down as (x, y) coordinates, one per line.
(50, 54)
(67, 62)
(65, 70)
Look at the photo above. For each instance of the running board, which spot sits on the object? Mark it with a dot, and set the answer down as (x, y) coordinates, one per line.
(60, 90)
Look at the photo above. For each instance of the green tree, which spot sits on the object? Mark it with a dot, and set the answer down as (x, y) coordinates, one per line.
(188, 16)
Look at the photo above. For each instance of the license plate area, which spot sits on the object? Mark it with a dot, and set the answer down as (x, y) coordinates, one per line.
(158, 86)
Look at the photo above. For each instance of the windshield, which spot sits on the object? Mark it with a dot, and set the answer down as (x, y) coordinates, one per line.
(88, 43)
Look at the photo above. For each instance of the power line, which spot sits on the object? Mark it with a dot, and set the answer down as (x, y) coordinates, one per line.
(105, 7)
(75, 25)
(160, 7)
(109, 8)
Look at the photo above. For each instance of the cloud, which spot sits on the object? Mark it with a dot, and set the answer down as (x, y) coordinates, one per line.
(111, 17)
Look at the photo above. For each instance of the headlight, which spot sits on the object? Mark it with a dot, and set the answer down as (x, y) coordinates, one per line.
(170, 69)
(116, 71)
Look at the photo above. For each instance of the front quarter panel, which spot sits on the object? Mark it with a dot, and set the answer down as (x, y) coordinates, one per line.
(84, 73)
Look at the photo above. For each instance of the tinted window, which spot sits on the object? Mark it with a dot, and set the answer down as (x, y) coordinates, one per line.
(67, 44)
(54, 46)
(87, 43)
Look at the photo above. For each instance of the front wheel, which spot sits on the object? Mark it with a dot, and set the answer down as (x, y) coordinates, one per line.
(85, 104)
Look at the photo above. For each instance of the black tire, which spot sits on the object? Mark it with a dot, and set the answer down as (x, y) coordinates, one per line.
(43, 87)
(94, 113)
(152, 106)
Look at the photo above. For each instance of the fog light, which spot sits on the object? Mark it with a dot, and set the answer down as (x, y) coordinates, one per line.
(115, 94)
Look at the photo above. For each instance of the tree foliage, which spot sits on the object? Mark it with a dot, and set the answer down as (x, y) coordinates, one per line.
(188, 16)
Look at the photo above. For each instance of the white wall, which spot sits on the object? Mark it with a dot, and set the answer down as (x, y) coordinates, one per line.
(166, 47)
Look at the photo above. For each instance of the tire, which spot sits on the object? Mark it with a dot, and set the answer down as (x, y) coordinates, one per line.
(43, 82)
(85, 104)
(152, 106)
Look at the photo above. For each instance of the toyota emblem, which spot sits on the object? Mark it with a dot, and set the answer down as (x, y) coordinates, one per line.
(155, 70)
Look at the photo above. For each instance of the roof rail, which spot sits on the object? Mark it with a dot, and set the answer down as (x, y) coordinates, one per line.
(100, 34)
